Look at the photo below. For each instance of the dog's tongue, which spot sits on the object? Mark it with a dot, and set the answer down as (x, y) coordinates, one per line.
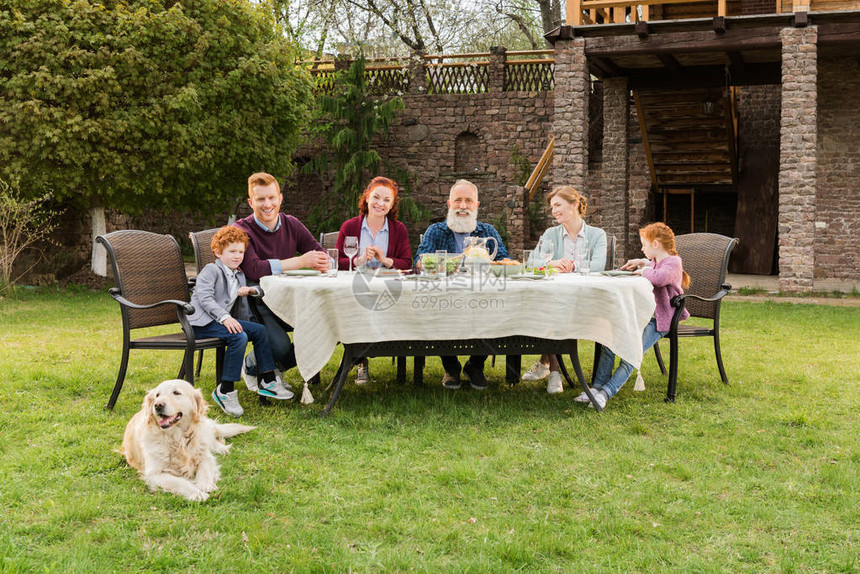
(167, 421)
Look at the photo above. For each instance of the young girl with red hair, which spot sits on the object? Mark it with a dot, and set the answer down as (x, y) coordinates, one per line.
(663, 268)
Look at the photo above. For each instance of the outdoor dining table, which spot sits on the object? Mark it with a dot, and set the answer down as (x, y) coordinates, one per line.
(410, 315)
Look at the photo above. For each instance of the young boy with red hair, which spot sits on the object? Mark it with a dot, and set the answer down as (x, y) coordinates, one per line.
(221, 310)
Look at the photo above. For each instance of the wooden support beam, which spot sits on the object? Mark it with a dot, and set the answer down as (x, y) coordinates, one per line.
(719, 24)
(838, 34)
(672, 64)
(596, 69)
(738, 65)
(608, 65)
(641, 29)
(801, 20)
(680, 42)
(643, 128)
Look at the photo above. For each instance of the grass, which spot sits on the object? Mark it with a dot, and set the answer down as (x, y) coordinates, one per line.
(759, 476)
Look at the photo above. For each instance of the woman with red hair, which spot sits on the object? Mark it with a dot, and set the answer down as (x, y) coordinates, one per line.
(383, 242)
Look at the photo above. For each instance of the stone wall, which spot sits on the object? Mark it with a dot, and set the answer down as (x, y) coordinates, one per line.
(798, 161)
(424, 143)
(837, 206)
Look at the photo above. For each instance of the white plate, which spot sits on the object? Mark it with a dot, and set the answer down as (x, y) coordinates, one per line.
(616, 273)
(532, 276)
(301, 273)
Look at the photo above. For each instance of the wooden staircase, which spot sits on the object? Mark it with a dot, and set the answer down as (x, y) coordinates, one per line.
(690, 136)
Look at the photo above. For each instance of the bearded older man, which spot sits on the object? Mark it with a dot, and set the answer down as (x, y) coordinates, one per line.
(462, 222)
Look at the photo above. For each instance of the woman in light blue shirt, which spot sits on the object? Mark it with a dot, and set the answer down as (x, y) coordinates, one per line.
(575, 244)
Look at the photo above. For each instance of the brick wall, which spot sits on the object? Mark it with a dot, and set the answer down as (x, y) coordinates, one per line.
(837, 207)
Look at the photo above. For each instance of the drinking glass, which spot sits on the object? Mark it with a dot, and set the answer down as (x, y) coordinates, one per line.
(350, 248)
(441, 263)
(528, 261)
(331, 268)
(546, 249)
(577, 259)
(585, 260)
(428, 264)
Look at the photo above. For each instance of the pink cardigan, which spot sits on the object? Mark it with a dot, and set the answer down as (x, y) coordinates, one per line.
(398, 242)
(666, 276)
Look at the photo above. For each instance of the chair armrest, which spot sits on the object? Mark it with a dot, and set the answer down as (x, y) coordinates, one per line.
(186, 308)
(719, 295)
(678, 302)
(726, 287)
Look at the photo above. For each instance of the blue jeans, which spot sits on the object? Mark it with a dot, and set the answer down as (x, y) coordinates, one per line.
(236, 344)
(610, 383)
(281, 347)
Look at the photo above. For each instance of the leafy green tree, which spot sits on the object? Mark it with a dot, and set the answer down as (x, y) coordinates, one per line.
(349, 119)
(146, 103)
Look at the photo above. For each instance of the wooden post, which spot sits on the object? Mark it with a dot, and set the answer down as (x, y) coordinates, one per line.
(573, 13)
(721, 8)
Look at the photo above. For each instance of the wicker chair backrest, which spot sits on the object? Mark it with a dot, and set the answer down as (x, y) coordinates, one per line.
(202, 243)
(328, 240)
(706, 259)
(147, 268)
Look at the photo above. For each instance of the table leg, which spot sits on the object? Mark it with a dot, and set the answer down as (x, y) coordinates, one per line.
(346, 364)
(574, 359)
(401, 370)
(418, 374)
(513, 364)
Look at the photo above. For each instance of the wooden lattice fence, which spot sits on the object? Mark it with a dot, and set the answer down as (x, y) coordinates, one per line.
(458, 78)
(385, 80)
(529, 76)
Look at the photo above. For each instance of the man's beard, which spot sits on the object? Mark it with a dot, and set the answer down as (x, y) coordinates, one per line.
(460, 224)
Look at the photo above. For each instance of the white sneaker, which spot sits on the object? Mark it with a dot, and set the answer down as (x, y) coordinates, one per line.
(229, 402)
(554, 385)
(250, 380)
(600, 398)
(582, 397)
(275, 390)
(538, 372)
(280, 375)
(362, 375)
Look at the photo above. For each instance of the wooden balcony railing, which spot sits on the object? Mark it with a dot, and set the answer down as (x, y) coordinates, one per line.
(591, 12)
(468, 73)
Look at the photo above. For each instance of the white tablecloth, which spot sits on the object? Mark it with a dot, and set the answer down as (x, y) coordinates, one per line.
(324, 311)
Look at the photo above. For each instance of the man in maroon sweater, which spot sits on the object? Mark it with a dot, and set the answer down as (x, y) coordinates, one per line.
(278, 242)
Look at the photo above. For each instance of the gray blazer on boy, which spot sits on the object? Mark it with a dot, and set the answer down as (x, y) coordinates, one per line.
(212, 295)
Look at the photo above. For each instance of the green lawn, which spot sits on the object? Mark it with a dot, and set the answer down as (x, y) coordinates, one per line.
(758, 476)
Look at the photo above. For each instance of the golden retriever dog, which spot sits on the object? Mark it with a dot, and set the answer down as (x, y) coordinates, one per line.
(172, 443)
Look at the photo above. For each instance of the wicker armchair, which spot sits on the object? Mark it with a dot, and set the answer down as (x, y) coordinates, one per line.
(152, 290)
(329, 240)
(706, 260)
(201, 242)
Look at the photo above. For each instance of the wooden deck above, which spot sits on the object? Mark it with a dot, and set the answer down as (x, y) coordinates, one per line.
(707, 52)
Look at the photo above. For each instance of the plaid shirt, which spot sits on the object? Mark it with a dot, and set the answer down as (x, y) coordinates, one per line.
(438, 237)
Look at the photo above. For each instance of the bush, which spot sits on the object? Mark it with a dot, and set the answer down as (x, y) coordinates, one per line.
(23, 224)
